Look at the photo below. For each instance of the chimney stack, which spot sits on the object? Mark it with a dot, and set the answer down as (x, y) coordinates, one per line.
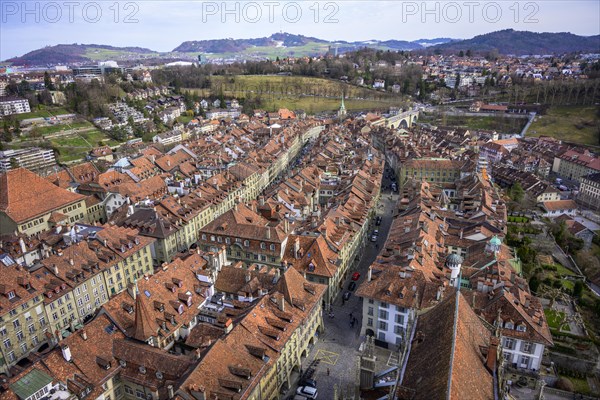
(131, 289)
(66, 352)
(492, 355)
(171, 391)
(297, 248)
(369, 274)
(281, 303)
(84, 334)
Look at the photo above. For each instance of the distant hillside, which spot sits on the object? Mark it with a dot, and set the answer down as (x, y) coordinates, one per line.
(510, 41)
(277, 45)
(286, 44)
(296, 45)
(77, 53)
(434, 42)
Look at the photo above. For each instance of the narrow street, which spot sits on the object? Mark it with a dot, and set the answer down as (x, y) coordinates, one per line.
(337, 348)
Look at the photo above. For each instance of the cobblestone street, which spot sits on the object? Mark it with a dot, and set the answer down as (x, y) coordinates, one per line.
(338, 346)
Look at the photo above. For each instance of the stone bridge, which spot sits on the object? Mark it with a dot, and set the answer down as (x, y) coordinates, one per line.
(404, 120)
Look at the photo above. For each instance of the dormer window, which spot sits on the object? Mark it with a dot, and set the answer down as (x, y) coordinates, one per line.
(263, 245)
(122, 249)
(123, 363)
(272, 247)
(521, 328)
(11, 295)
(137, 240)
(311, 267)
(509, 325)
(130, 245)
(203, 236)
(246, 243)
(142, 369)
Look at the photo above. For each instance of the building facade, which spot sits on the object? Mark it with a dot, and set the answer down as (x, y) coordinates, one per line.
(13, 105)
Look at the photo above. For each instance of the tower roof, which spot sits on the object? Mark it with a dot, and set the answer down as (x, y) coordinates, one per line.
(454, 259)
(144, 325)
(495, 241)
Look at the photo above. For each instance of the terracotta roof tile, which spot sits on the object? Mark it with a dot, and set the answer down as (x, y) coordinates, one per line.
(25, 195)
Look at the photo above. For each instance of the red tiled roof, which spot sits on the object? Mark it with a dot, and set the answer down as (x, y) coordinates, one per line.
(25, 195)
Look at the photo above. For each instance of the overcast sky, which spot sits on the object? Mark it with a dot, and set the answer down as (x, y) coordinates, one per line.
(163, 25)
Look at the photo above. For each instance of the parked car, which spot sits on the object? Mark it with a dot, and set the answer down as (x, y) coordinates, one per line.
(373, 238)
(307, 391)
(352, 285)
(355, 276)
(308, 382)
(378, 221)
(346, 296)
(376, 232)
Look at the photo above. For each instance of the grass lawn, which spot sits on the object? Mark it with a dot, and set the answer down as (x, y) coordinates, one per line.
(314, 105)
(297, 92)
(554, 318)
(496, 123)
(567, 284)
(184, 119)
(100, 54)
(580, 385)
(77, 146)
(561, 270)
(579, 124)
(43, 112)
(47, 130)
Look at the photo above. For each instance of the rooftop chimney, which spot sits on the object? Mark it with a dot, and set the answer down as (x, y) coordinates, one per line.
(281, 303)
(66, 352)
(297, 248)
(131, 289)
(492, 355)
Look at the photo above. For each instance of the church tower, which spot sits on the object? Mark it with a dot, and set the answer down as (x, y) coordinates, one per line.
(342, 111)
(454, 262)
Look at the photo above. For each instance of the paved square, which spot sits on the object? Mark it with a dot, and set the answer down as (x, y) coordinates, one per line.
(327, 357)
